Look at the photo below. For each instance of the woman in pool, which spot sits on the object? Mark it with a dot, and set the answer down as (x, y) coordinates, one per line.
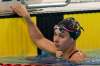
(65, 34)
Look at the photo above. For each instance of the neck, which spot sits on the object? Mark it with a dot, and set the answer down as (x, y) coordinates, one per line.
(69, 50)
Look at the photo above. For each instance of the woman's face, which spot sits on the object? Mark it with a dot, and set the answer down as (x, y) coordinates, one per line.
(62, 40)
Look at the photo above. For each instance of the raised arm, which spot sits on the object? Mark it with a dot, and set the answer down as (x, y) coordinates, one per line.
(34, 32)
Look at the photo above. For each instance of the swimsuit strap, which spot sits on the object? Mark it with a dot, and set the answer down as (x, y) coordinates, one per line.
(73, 53)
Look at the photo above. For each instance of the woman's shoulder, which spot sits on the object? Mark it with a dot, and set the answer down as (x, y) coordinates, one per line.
(78, 57)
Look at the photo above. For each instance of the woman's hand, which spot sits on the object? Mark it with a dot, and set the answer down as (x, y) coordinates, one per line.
(20, 9)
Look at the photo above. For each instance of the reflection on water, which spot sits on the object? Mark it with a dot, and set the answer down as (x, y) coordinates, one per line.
(94, 59)
(51, 60)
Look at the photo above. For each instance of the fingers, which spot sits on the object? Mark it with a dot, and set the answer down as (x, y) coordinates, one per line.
(15, 8)
(19, 9)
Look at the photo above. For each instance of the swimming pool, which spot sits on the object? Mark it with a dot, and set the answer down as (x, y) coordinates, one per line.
(93, 60)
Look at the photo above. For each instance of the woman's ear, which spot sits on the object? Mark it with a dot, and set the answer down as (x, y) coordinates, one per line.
(72, 39)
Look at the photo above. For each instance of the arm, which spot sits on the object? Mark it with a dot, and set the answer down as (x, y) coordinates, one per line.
(35, 34)
(38, 38)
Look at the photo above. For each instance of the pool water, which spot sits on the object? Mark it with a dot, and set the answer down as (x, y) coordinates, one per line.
(93, 60)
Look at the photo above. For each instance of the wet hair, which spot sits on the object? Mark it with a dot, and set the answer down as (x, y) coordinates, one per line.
(72, 26)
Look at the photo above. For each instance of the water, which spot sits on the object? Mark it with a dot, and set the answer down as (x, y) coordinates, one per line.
(93, 60)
